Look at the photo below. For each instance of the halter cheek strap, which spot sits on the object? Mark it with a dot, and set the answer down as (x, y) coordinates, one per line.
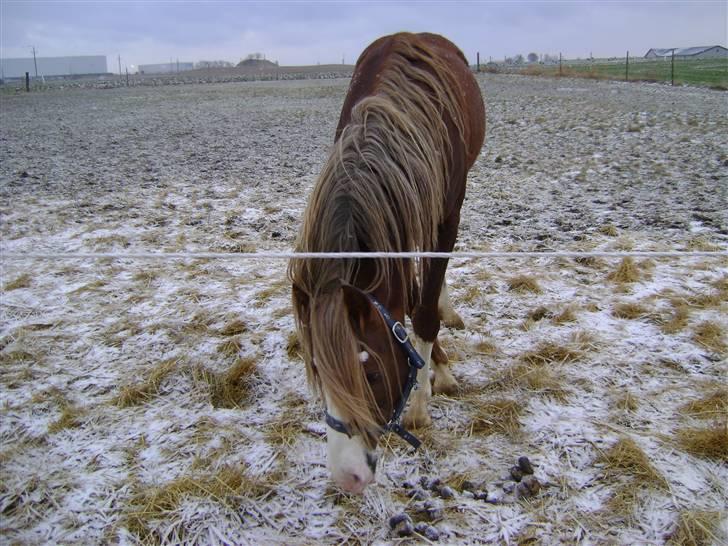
(415, 362)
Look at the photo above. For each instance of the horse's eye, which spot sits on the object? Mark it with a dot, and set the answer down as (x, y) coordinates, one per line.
(373, 377)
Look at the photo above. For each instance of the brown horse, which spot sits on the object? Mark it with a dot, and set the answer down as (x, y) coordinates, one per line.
(412, 125)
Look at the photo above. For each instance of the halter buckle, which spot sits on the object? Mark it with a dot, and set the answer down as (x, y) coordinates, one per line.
(400, 332)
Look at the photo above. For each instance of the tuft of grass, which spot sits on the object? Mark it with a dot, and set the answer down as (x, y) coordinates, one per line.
(232, 388)
(230, 347)
(626, 272)
(590, 261)
(485, 347)
(567, 314)
(626, 457)
(630, 311)
(550, 353)
(284, 430)
(70, 418)
(496, 416)
(609, 230)
(539, 313)
(702, 244)
(293, 346)
(225, 486)
(134, 395)
(146, 276)
(523, 283)
(710, 442)
(696, 528)
(713, 405)
(22, 281)
(627, 402)
(234, 328)
(678, 320)
(710, 335)
(13, 357)
(534, 376)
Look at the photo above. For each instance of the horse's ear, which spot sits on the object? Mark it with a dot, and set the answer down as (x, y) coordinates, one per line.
(359, 307)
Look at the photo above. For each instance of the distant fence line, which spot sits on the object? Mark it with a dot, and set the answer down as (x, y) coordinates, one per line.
(676, 70)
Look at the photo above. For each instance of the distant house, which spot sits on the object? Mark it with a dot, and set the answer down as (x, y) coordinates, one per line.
(704, 52)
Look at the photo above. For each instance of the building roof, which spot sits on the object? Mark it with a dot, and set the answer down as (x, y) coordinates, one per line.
(681, 52)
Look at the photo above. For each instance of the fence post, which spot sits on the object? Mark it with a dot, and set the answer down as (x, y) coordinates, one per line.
(27, 82)
(672, 68)
(626, 70)
(478, 57)
(559, 65)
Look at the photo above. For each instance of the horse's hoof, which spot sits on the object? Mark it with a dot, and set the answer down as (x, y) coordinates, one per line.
(417, 420)
(445, 385)
(454, 321)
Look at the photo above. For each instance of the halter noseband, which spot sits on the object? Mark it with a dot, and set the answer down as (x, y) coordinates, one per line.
(415, 362)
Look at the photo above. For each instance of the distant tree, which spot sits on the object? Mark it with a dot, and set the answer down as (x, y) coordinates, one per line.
(255, 56)
(518, 59)
(532, 57)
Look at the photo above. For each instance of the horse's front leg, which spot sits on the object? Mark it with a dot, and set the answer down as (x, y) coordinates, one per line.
(426, 324)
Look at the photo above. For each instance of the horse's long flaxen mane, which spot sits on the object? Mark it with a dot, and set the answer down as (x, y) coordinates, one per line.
(382, 189)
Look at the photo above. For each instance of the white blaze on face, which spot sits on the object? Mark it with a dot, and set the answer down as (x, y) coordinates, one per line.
(347, 457)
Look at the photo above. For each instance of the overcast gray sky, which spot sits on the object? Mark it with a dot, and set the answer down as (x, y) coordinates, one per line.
(325, 32)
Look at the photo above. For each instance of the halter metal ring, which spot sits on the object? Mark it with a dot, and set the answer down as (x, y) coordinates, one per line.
(400, 333)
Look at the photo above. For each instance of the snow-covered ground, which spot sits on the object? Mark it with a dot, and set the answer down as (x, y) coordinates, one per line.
(163, 401)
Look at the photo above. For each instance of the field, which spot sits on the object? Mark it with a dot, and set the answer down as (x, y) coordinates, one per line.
(164, 401)
(702, 72)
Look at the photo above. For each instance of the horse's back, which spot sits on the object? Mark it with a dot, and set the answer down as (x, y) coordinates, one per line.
(373, 64)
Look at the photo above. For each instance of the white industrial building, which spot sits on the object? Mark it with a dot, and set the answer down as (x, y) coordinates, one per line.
(703, 52)
(53, 66)
(165, 68)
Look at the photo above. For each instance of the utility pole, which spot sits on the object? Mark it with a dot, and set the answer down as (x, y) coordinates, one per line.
(119, 66)
(35, 62)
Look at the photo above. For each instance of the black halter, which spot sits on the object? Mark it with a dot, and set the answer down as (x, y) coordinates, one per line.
(415, 363)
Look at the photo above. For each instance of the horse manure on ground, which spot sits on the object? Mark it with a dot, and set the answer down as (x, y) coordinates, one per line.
(431, 496)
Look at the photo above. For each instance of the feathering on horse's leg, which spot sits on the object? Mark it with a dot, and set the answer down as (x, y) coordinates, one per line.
(418, 415)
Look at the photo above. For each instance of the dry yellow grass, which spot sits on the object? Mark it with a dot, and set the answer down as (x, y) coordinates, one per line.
(710, 335)
(233, 328)
(293, 347)
(229, 389)
(567, 314)
(697, 528)
(21, 281)
(677, 320)
(548, 353)
(70, 418)
(231, 347)
(630, 311)
(710, 442)
(539, 313)
(627, 402)
(224, 486)
(609, 230)
(626, 272)
(133, 395)
(523, 283)
(626, 457)
(711, 406)
(495, 416)
(485, 347)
